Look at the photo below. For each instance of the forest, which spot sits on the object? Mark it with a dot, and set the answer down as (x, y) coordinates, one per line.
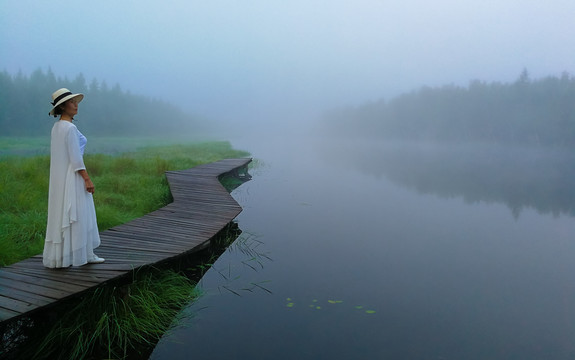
(25, 103)
(531, 112)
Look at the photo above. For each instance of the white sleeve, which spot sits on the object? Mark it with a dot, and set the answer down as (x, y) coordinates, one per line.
(73, 145)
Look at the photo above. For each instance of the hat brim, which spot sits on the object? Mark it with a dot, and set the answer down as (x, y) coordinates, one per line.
(64, 99)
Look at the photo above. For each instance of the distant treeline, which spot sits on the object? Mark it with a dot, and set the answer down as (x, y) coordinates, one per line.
(526, 112)
(25, 103)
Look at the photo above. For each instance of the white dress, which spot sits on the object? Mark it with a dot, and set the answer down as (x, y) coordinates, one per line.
(72, 231)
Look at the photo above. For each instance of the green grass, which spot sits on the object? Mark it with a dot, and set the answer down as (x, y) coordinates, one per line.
(128, 185)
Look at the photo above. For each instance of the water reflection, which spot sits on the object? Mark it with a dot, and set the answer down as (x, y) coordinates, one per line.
(518, 177)
(364, 269)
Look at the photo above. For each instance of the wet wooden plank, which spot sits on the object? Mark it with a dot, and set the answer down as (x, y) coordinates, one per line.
(7, 314)
(80, 279)
(15, 280)
(7, 285)
(29, 298)
(16, 305)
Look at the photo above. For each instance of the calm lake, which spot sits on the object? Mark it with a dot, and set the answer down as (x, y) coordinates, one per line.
(378, 251)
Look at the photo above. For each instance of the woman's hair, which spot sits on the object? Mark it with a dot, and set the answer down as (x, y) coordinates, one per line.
(59, 109)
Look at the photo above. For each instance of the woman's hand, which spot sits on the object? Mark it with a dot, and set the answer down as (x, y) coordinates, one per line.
(89, 185)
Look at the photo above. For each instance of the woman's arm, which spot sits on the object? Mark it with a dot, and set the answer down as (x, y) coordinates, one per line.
(76, 158)
(89, 184)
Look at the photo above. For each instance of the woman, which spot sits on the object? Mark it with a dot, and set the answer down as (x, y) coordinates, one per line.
(72, 231)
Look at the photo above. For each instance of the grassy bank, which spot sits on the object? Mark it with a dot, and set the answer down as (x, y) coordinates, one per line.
(125, 319)
(128, 184)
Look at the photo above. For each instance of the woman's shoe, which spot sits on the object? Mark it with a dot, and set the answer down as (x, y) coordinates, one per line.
(96, 260)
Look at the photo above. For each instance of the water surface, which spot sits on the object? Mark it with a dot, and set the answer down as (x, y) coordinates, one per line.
(367, 251)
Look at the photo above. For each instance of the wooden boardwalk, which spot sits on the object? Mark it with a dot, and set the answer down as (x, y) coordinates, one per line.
(201, 208)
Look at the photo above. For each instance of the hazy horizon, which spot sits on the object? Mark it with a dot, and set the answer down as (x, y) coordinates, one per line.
(262, 61)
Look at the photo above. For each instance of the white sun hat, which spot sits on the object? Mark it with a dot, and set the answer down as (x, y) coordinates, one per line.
(62, 95)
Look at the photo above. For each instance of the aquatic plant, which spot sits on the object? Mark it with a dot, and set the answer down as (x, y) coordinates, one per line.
(116, 322)
(319, 305)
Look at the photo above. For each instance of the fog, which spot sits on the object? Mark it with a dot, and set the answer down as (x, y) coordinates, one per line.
(267, 62)
(463, 244)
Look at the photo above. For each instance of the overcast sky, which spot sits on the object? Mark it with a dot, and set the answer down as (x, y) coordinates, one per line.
(249, 59)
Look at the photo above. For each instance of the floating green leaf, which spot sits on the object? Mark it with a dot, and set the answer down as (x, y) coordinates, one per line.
(314, 305)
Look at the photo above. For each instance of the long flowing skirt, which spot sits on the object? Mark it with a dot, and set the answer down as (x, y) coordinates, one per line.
(78, 239)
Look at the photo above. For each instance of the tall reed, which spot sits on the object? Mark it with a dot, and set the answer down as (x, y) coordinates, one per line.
(113, 322)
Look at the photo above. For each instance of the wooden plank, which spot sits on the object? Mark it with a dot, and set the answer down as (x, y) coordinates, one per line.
(16, 305)
(173, 224)
(87, 269)
(53, 284)
(118, 240)
(70, 279)
(35, 299)
(140, 234)
(6, 285)
(6, 314)
(78, 278)
(124, 257)
(183, 212)
(195, 234)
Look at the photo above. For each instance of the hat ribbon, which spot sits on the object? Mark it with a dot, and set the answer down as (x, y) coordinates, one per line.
(60, 97)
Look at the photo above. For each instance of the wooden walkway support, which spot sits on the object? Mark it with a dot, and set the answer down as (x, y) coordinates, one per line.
(201, 208)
